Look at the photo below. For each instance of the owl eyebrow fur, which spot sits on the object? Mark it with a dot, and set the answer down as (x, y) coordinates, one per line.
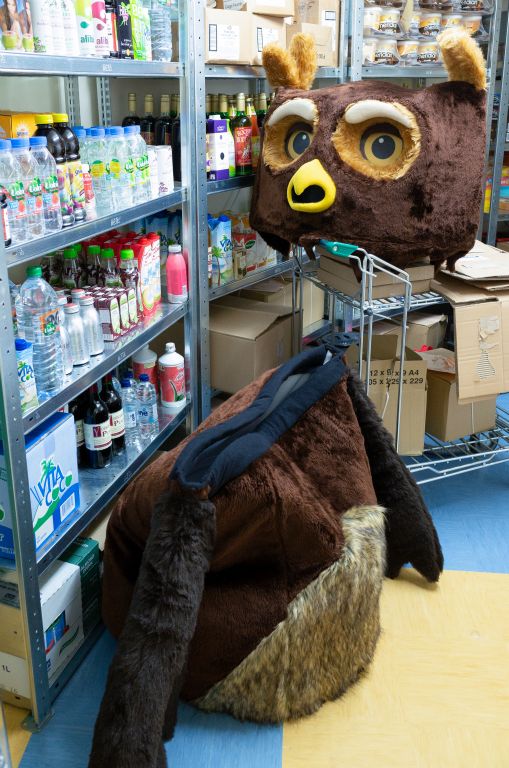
(370, 108)
(303, 108)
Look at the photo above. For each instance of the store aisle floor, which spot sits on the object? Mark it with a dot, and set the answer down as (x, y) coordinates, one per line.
(436, 694)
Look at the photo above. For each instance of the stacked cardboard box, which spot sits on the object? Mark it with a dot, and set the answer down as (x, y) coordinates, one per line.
(279, 291)
(320, 19)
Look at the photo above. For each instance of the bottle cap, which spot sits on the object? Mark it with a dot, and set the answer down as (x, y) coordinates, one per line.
(44, 119)
(175, 248)
(127, 254)
(86, 300)
(79, 132)
(62, 301)
(5, 144)
(130, 130)
(144, 377)
(94, 250)
(69, 253)
(38, 141)
(107, 131)
(34, 272)
(125, 383)
(77, 292)
(170, 347)
(107, 253)
(116, 130)
(21, 344)
(71, 308)
(137, 129)
(94, 132)
(20, 143)
(60, 117)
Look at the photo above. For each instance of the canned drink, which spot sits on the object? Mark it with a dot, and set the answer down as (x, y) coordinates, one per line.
(92, 323)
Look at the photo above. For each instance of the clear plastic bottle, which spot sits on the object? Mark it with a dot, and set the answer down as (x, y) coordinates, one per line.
(121, 189)
(148, 419)
(12, 187)
(98, 160)
(142, 156)
(56, 148)
(49, 181)
(76, 330)
(73, 162)
(130, 405)
(134, 161)
(160, 25)
(37, 312)
(29, 175)
(64, 337)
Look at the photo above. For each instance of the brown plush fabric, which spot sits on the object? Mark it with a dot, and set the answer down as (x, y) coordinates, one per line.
(432, 210)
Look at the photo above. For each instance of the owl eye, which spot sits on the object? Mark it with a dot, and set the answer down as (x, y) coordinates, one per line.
(381, 145)
(298, 139)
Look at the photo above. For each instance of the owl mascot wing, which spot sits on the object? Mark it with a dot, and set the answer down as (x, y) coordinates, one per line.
(396, 171)
(243, 569)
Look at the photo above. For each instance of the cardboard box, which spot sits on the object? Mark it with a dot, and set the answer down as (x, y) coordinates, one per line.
(482, 262)
(15, 125)
(280, 8)
(53, 481)
(246, 339)
(383, 379)
(265, 30)
(322, 36)
(422, 329)
(279, 291)
(227, 36)
(338, 274)
(447, 418)
(323, 12)
(70, 592)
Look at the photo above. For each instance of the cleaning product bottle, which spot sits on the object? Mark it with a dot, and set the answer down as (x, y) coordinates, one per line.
(172, 379)
(145, 361)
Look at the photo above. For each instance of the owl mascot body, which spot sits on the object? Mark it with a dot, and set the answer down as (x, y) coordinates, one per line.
(243, 569)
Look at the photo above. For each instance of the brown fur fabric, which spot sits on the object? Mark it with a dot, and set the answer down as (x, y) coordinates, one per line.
(294, 68)
(432, 210)
(326, 641)
(146, 671)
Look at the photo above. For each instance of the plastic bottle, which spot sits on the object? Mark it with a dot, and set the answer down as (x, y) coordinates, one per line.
(172, 379)
(98, 159)
(109, 277)
(41, 25)
(176, 275)
(76, 330)
(111, 27)
(54, 11)
(38, 321)
(120, 169)
(85, 27)
(12, 187)
(74, 169)
(29, 171)
(137, 178)
(148, 419)
(49, 181)
(160, 24)
(71, 271)
(131, 280)
(26, 376)
(102, 47)
(70, 22)
(64, 337)
(92, 323)
(56, 148)
(130, 406)
(5, 228)
(145, 362)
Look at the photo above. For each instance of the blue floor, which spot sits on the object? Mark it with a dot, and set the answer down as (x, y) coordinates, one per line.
(472, 518)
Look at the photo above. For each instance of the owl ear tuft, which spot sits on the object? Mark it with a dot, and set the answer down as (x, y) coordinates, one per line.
(294, 68)
(462, 57)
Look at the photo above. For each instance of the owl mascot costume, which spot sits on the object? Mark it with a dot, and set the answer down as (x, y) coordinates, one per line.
(243, 569)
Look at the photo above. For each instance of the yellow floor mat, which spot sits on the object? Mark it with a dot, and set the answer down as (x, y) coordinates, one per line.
(18, 736)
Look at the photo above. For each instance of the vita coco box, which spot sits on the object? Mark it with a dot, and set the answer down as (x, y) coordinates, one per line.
(53, 481)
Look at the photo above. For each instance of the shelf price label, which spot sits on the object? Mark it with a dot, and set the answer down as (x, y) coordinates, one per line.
(107, 67)
(115, 221)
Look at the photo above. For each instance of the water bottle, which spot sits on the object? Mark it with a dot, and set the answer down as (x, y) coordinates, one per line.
(121, 189)
(28, 174)
(98, 161)
(38, 321)
(130, 405)
(12, 187)
(47, 169)
(142, 164)
(160, 24)
(76, 330)
(148, 419)
(64, 337)
(135, 163)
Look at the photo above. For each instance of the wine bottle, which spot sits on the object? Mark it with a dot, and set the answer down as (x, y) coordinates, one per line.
(175, 143)
(242, 135)
(113, 403)
(163, 123)
(96, 426)
(132, 118)
(148, 122)
(77, 408)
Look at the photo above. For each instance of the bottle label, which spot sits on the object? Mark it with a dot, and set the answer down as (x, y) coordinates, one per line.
(117, 426)
(130, 171)
(75, 171)
(173, 383)
(243, 154)
(64, 190)
(34, 195)
(97, 436)
(130, 419)
(48, 322)
(15, 197)
(115, 168)
(50, 192)
(133, 305)
(98, 169)
(80, 433)
(150, 370)
(124, 310)
(6, 227)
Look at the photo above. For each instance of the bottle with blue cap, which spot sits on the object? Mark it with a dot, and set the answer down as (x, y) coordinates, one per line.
(12, 187)
(148, 419)
(98, 161)
(47, 170)
(120, 168)
(29, 176)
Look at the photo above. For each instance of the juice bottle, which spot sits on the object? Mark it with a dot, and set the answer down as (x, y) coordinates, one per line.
(56, 148)
(176, 275)
(131, 281)
(74, 168)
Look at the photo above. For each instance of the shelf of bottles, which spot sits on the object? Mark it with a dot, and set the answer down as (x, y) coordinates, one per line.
(115, 352)
(98, 488)
(33, 64)
(254, 277)
(43, 245)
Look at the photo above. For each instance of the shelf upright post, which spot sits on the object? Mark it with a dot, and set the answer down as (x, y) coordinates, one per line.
(356, 47)
(104, 100)
(72, 99)
(16, 477)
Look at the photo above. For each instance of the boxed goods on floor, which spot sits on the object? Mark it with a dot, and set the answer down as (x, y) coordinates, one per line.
(246, 339)
(383, 379)
(279, 291)
(338, 274)
(227, 36)
(70, 605)
(322, 12)
(322, 35)
(52, 477)
(422, 329)
(447, 418)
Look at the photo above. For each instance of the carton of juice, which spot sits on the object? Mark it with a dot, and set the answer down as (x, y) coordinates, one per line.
(155, 266)
(142, 248)
(109, 315)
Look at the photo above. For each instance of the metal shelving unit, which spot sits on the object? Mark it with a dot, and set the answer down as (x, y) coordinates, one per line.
(257, 276)
(495, 217)
(226, 185)
(98, 487)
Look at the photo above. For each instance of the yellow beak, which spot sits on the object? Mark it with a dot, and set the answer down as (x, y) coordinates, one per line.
(311, 189)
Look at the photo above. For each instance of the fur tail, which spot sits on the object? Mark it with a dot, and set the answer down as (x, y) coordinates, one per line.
(139, 704)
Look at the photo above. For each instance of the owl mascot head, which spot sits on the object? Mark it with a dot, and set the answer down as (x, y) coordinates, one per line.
(396, 171)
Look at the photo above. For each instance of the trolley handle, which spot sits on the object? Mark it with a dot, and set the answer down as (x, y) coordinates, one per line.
(341, 250)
